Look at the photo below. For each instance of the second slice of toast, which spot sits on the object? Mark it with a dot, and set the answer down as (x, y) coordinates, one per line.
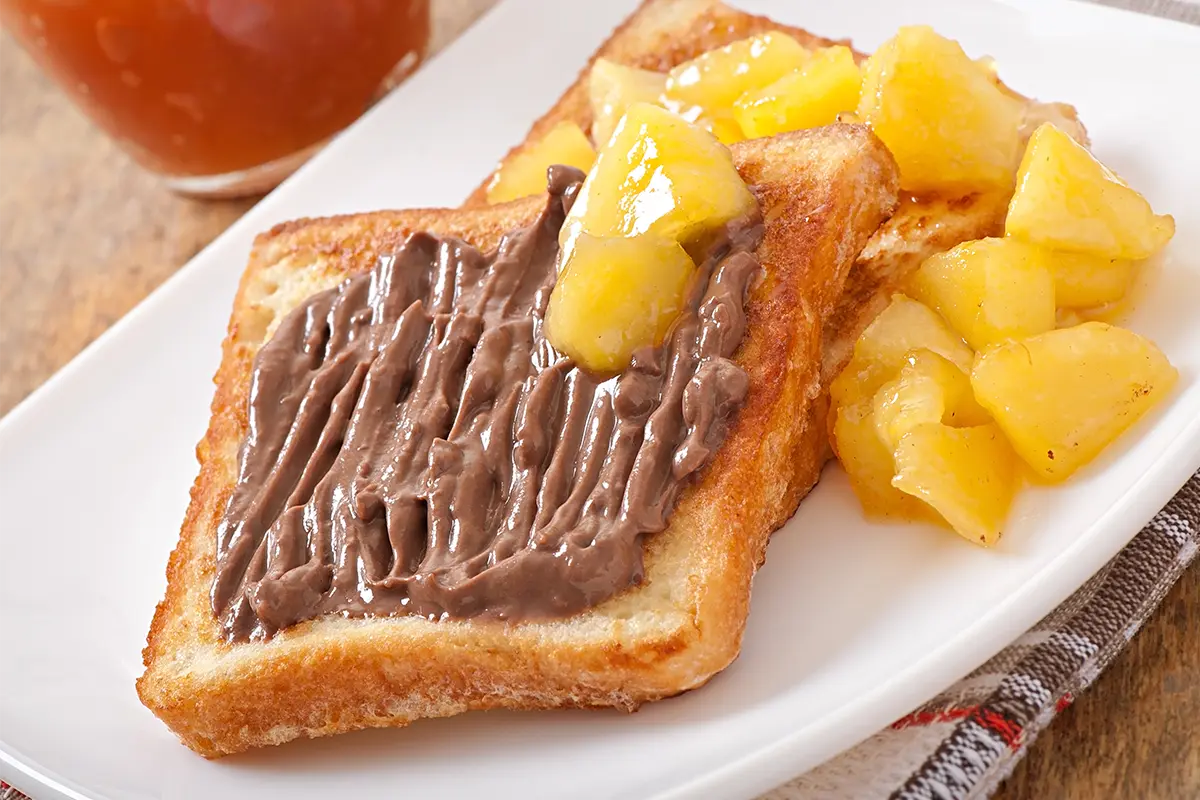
(823, 193)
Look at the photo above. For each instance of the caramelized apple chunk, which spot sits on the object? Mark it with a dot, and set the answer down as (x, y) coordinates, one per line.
(616, 294)
(1082, 280)
(905, 325)
(625, 274)
(879, 355)
(825, 86)
(613, 88)
(989, 290)
(968, 475)
(525, 173)
(869, 464)
(868, 433)
(1067, 200)
(1063, 396)
(943, 117)
(714, 80)
(659, 174)
(929, 388)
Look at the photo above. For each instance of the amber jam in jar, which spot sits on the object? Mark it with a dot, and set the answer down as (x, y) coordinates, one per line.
(222, 96)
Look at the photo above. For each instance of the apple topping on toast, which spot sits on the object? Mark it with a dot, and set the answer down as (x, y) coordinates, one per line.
(659, 189)
(952, 125)
(826, 86)
(525, 175)
(613, 88)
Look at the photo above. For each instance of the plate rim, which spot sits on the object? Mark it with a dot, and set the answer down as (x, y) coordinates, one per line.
(761, 770)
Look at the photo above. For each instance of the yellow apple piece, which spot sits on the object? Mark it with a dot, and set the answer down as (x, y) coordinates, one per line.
(525, 173)
(929, 388)
(968, 475)
(869, 464)
(905, 325)
(1061, 397)
(1067, 200)
(659, 174)
(989, 290)
(616, 294)
(1085, 281)
(613, 88)
(825, 86)
(714, 80)
(943, 117)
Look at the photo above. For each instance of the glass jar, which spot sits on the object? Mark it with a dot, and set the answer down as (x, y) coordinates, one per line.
(222, 97)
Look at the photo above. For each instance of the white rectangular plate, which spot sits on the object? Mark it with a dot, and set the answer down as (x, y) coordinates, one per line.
(853, 624)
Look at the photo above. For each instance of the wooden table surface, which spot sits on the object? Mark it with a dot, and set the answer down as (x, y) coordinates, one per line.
(85, 235)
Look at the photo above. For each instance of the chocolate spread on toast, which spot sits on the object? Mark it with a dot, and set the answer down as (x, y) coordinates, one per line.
(416, 446)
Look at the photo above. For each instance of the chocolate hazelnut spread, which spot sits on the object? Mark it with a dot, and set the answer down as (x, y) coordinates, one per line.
(417, 446)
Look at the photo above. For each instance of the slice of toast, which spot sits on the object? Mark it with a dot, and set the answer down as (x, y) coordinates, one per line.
(823, 193)
(664, 33)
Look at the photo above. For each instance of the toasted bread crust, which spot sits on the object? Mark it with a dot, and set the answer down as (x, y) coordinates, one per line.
(824, 193)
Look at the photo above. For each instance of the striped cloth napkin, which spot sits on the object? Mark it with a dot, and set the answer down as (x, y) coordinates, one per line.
(967, 740)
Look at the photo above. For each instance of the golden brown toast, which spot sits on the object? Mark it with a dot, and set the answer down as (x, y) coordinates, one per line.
(664, 33)
(823, 193)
